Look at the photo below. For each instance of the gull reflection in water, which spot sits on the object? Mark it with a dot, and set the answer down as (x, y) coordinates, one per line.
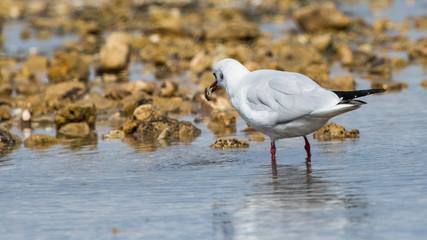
(296, 202)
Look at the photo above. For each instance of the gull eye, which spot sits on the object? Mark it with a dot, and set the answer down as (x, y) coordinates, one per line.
(221, 76)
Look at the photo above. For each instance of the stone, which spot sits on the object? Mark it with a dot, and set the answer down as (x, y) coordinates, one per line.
(424, 83)
(201, 62)
(167, 88)
(130, 103)
(130, 126)
(296, 57)
(151, 129)
(5, 112)
(234, 30)
(390, 86)
(35, 64)
(165, 134)
(144, 112)
(173, 104)
(333, 131)
(67, 66)
(343, 83)
(8, 138)
(222, 122)
(38, 141)
(419, 50)
(114, 55)
(5, 89)
(113, 135)
(398, 63)
(187, 131)
(139, 86)
(74, 129)
(324, 16)
(228, 143)
(74, 113)
(382, 67)
(355, 58)
(117, 94)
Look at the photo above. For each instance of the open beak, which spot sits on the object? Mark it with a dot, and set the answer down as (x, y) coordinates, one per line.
(208, 91)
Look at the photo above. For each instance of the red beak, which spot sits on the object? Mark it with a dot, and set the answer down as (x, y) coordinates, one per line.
(213, 86)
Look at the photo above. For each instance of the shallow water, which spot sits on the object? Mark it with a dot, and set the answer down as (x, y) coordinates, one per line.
(374, 187)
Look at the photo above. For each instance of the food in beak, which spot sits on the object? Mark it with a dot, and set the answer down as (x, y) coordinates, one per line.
(210, 90)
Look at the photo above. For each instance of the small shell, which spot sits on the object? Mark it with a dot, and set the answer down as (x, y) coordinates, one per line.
(208, 94)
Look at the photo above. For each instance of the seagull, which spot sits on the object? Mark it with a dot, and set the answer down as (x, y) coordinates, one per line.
(281, 104)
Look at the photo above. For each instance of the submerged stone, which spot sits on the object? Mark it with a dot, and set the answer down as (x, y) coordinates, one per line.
(8, 138)
(75, 113)
(390, 86)
(113, 135)
(228, 143)
(75, 129)
(333, 131)
(40, 141)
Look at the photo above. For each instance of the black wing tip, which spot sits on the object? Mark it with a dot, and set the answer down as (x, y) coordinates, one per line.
(348, 95)
(377, 90)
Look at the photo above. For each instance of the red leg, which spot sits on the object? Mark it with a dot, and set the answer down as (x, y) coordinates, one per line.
(307, 148)
(273, 158)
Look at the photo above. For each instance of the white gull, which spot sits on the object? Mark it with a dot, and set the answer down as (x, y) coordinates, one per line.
(281, 104)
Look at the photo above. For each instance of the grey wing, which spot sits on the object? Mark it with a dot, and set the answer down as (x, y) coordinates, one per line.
(289, 96)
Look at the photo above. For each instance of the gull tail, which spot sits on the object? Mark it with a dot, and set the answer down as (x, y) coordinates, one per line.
(348, 96)
(347, 103)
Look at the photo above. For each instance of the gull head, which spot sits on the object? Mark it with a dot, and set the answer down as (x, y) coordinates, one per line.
(228, 74)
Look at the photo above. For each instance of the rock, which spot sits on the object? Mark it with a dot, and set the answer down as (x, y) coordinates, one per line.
(296, 57)
(332, 131)
(222, 122)
(102, 104)
(8, 138)
(419, 50)
(165, 134)
(390, 86)
(234, 30)
(229, 143)
(424, 83)
(117, 94)
(61, 89)
(187, 131)
(130, 103)
(381, 66)
(74, 129)
(257, 139)
(113, 135)
(398, 63)
(68, 66)
(151, 129)
(201, 62)
(420, 22)
(144, 112)
(74, 113)
(5, 89)
(173, 104)
(139, 86)
(343, 83)
(324, 16)
(130, 126)
(35, 64)
(5, 112)
(114, 55)
(168, 89)
(40, 141)
(354, 58)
